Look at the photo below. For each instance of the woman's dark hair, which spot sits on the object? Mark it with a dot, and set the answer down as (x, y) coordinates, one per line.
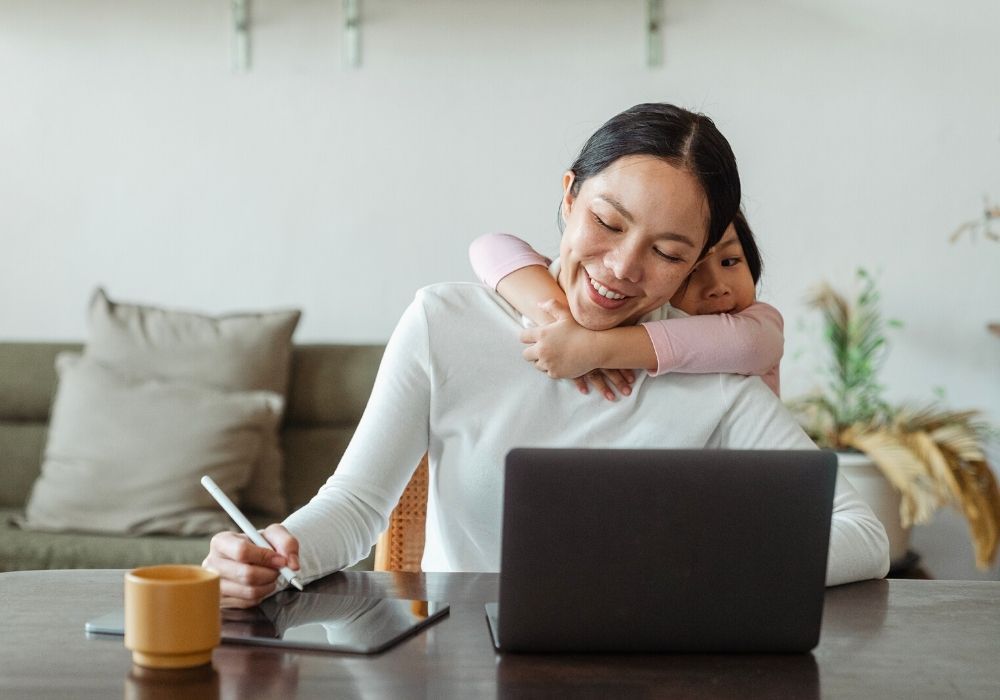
(751, 254)
(686, 140)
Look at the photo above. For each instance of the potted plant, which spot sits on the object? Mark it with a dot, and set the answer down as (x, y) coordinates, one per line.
(905, 461)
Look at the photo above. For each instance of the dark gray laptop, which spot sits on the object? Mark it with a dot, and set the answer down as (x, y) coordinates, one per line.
(663, 550)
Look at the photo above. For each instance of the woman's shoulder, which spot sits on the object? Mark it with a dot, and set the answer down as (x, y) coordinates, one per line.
(454, 293)
(466, 301)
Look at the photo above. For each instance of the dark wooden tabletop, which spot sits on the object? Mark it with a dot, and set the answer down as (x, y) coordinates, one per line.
(880, 639)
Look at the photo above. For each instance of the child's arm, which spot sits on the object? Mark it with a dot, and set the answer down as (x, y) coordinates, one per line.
(518, 273)
(512, 268)
(749, 342)
(563, 348)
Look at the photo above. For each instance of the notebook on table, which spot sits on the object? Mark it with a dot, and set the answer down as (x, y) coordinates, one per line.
(663, 550)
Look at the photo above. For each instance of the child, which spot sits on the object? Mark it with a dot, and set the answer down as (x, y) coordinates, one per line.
(724, 330)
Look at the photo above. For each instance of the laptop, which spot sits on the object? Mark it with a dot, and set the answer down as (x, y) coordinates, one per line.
(640, 550)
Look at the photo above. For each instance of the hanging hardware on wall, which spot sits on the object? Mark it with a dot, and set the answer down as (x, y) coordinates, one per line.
(241, 36)
(654, 33)
(352, 33)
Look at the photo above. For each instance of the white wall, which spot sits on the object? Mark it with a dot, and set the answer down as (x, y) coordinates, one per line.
(130, 155)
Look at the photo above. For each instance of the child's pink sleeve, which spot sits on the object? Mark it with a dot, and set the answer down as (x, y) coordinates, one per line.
(496, 255)
(749, 342)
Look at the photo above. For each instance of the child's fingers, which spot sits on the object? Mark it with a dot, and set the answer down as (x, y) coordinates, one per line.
(619, 380)
(581, 384)
(530, 354)
(601, 384)
(529, 335)
(554, 308)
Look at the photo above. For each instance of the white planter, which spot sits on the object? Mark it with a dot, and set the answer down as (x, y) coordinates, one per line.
(875, 490)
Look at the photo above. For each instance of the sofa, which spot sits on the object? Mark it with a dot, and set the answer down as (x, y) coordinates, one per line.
(329, 389)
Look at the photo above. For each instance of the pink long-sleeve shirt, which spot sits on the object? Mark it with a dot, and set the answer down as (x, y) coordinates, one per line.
(750, 342)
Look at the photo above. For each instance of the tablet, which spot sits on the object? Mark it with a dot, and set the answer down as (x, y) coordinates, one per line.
(308, 620)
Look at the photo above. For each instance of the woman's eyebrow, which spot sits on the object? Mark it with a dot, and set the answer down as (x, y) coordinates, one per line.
(620, 208)
(617, 205)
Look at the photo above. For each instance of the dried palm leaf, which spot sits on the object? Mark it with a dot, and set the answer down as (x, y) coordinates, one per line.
(959, 440)
(981, 507)
(904, 470)
(937, 466)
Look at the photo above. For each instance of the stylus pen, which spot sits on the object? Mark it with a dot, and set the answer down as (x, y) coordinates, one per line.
(245, 525)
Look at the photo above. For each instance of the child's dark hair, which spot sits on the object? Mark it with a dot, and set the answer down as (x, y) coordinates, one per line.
(750, 251)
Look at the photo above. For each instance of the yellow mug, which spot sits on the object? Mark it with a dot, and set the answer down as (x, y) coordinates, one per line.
(172, 616)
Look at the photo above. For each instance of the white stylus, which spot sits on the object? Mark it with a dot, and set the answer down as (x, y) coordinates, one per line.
(245, 525)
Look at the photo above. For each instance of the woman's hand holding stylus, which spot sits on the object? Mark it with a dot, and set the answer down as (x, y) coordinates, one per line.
(248, 572)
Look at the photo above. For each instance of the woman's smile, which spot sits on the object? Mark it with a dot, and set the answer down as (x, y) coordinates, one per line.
(606, 297)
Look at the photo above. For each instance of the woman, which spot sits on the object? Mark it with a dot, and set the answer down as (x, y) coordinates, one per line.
(453, 384)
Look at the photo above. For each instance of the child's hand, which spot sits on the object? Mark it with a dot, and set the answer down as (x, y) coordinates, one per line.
(620, 379)
(563, 349)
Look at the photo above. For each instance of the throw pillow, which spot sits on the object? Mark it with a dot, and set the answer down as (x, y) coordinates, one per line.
(234, 352)
(125, 453)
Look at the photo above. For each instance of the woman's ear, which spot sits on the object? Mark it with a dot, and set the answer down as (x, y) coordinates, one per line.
(569, 177)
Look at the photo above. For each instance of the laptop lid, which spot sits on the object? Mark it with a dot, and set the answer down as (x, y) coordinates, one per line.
(664, 550)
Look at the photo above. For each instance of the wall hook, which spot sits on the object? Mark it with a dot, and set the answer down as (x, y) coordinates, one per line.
(654, 33)
(352, 33)
(241, 36)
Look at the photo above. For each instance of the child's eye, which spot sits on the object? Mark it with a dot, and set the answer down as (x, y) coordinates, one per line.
(729, 262)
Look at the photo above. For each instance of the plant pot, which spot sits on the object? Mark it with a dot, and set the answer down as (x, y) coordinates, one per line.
(881, 496)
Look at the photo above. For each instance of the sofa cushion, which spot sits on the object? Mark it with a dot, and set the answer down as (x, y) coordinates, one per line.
(22, 550)
(28, 379)
(125, 453)
(234, 352)
(21, 446)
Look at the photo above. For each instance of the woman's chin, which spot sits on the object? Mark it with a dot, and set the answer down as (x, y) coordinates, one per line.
(596, 318)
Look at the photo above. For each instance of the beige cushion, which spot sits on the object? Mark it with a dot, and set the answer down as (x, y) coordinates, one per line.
(234, 352)
(125, 453)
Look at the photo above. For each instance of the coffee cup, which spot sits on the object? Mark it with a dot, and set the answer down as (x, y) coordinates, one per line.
(172, 616)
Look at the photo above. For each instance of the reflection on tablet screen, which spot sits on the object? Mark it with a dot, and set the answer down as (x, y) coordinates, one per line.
(321, 621)
(331, 622)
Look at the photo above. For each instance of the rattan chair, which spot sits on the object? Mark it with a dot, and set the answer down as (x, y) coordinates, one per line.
(401, 546)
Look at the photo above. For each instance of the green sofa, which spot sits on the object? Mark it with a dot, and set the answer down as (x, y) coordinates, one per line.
(328, 392)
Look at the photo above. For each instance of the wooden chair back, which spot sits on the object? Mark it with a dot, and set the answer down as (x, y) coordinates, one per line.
(401, 546)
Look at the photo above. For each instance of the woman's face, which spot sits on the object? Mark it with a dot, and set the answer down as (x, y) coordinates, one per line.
(721, 284)
(633, 232)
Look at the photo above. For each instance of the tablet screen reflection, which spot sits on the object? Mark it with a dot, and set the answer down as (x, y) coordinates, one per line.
(329, 622)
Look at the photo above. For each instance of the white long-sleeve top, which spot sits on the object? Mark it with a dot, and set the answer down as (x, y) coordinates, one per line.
(453, 384)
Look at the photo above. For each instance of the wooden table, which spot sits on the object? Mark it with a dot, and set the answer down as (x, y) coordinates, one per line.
(881, 639)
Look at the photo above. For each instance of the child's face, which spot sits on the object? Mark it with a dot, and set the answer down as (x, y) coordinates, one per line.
(720, 284)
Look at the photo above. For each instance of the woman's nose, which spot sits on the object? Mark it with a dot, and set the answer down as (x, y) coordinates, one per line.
(625, 262)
